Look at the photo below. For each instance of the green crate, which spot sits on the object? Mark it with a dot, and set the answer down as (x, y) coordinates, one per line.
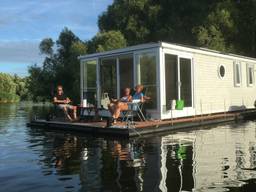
(179, 104)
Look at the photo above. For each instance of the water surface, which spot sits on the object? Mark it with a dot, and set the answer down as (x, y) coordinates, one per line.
(221, 158)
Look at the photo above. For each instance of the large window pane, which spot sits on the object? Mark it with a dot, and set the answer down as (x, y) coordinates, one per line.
(126, 72)
(185, 78)
(89, 81)
(108, 77)
(147, 77)
(90, 75)
(171, 79)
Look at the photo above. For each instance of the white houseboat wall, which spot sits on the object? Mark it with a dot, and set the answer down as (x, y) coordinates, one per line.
(207, 81)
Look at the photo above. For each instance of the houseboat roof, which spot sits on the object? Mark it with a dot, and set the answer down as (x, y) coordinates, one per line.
(173, 46)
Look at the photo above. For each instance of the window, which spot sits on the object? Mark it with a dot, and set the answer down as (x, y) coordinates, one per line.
(171, 79)
(126, 72)
(178, 80)
(237, 74)
(221, 71)
(89, 81)
(90, 75)
(147, 76)
(108, 77)
(250, 75)
(185, 80)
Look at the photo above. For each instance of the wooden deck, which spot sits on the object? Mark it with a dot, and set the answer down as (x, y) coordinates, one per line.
(142, 128)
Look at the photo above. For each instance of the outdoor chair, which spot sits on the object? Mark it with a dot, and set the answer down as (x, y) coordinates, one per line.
(55, 113)
(134, 111)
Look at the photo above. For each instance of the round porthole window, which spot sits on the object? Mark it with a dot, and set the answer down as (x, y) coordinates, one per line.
(222, 71)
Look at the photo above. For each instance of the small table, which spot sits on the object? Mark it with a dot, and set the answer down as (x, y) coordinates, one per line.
(135, 107)
(89, 111)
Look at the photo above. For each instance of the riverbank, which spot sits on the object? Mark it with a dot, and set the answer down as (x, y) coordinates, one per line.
(9, 101)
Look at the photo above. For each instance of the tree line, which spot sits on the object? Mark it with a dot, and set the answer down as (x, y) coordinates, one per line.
(223, 25)
(13, 88)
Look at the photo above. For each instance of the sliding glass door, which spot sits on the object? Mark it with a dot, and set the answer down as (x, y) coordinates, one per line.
(88, 81)
(171, 79)
(178, 80)
(108, 77)
(185, 81)
(147, 76)
(116, 74)
(125, 72)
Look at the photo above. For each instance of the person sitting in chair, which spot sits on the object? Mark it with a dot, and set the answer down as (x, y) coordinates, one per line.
(63, 103)
(138, 95)
(118, 105)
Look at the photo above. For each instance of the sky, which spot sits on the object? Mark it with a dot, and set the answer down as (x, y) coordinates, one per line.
(24, 23)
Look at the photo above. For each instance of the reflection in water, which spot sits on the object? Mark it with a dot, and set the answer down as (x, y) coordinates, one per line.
(214, 159)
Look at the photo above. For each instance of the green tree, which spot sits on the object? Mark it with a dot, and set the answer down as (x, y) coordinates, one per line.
(245, 20)
(46, 46)
(106, 41)
(59, 67)
(68, 65)
(143, 21)
(21, 87)
(218, 30)
(36, 83)
(221, 25)
(7, 88)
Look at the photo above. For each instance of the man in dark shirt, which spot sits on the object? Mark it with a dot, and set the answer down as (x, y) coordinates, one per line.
(63, 103)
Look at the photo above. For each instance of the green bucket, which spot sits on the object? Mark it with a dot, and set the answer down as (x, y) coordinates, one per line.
(179, 104)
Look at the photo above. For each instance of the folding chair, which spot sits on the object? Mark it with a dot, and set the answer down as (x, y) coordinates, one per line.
(55, 113)
(135, 110)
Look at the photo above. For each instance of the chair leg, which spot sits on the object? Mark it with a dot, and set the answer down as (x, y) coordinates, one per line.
(124, 115)
(141, 116)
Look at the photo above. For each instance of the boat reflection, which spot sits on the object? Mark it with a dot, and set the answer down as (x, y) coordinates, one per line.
(216, 159)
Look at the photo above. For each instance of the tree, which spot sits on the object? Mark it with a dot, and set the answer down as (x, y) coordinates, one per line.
(68, 65)
(128, 17)
(217, 32)
(228, 26)
(245, 21)
(59, 67)
(106, 41)
(21, 87)
(36, 83)
(46, 46)
(7, 88)
(148, 20)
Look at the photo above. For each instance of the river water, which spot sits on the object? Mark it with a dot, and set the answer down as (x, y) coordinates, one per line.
(221, 158)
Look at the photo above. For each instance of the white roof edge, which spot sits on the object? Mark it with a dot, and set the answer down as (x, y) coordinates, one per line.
(179, 47)
(121, 50)
(206, 51)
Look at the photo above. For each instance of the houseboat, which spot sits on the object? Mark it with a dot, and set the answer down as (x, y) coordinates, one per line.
(188, 87)
(181, 81)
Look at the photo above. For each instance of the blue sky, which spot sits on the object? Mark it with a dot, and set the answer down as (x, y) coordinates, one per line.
(24, 23)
